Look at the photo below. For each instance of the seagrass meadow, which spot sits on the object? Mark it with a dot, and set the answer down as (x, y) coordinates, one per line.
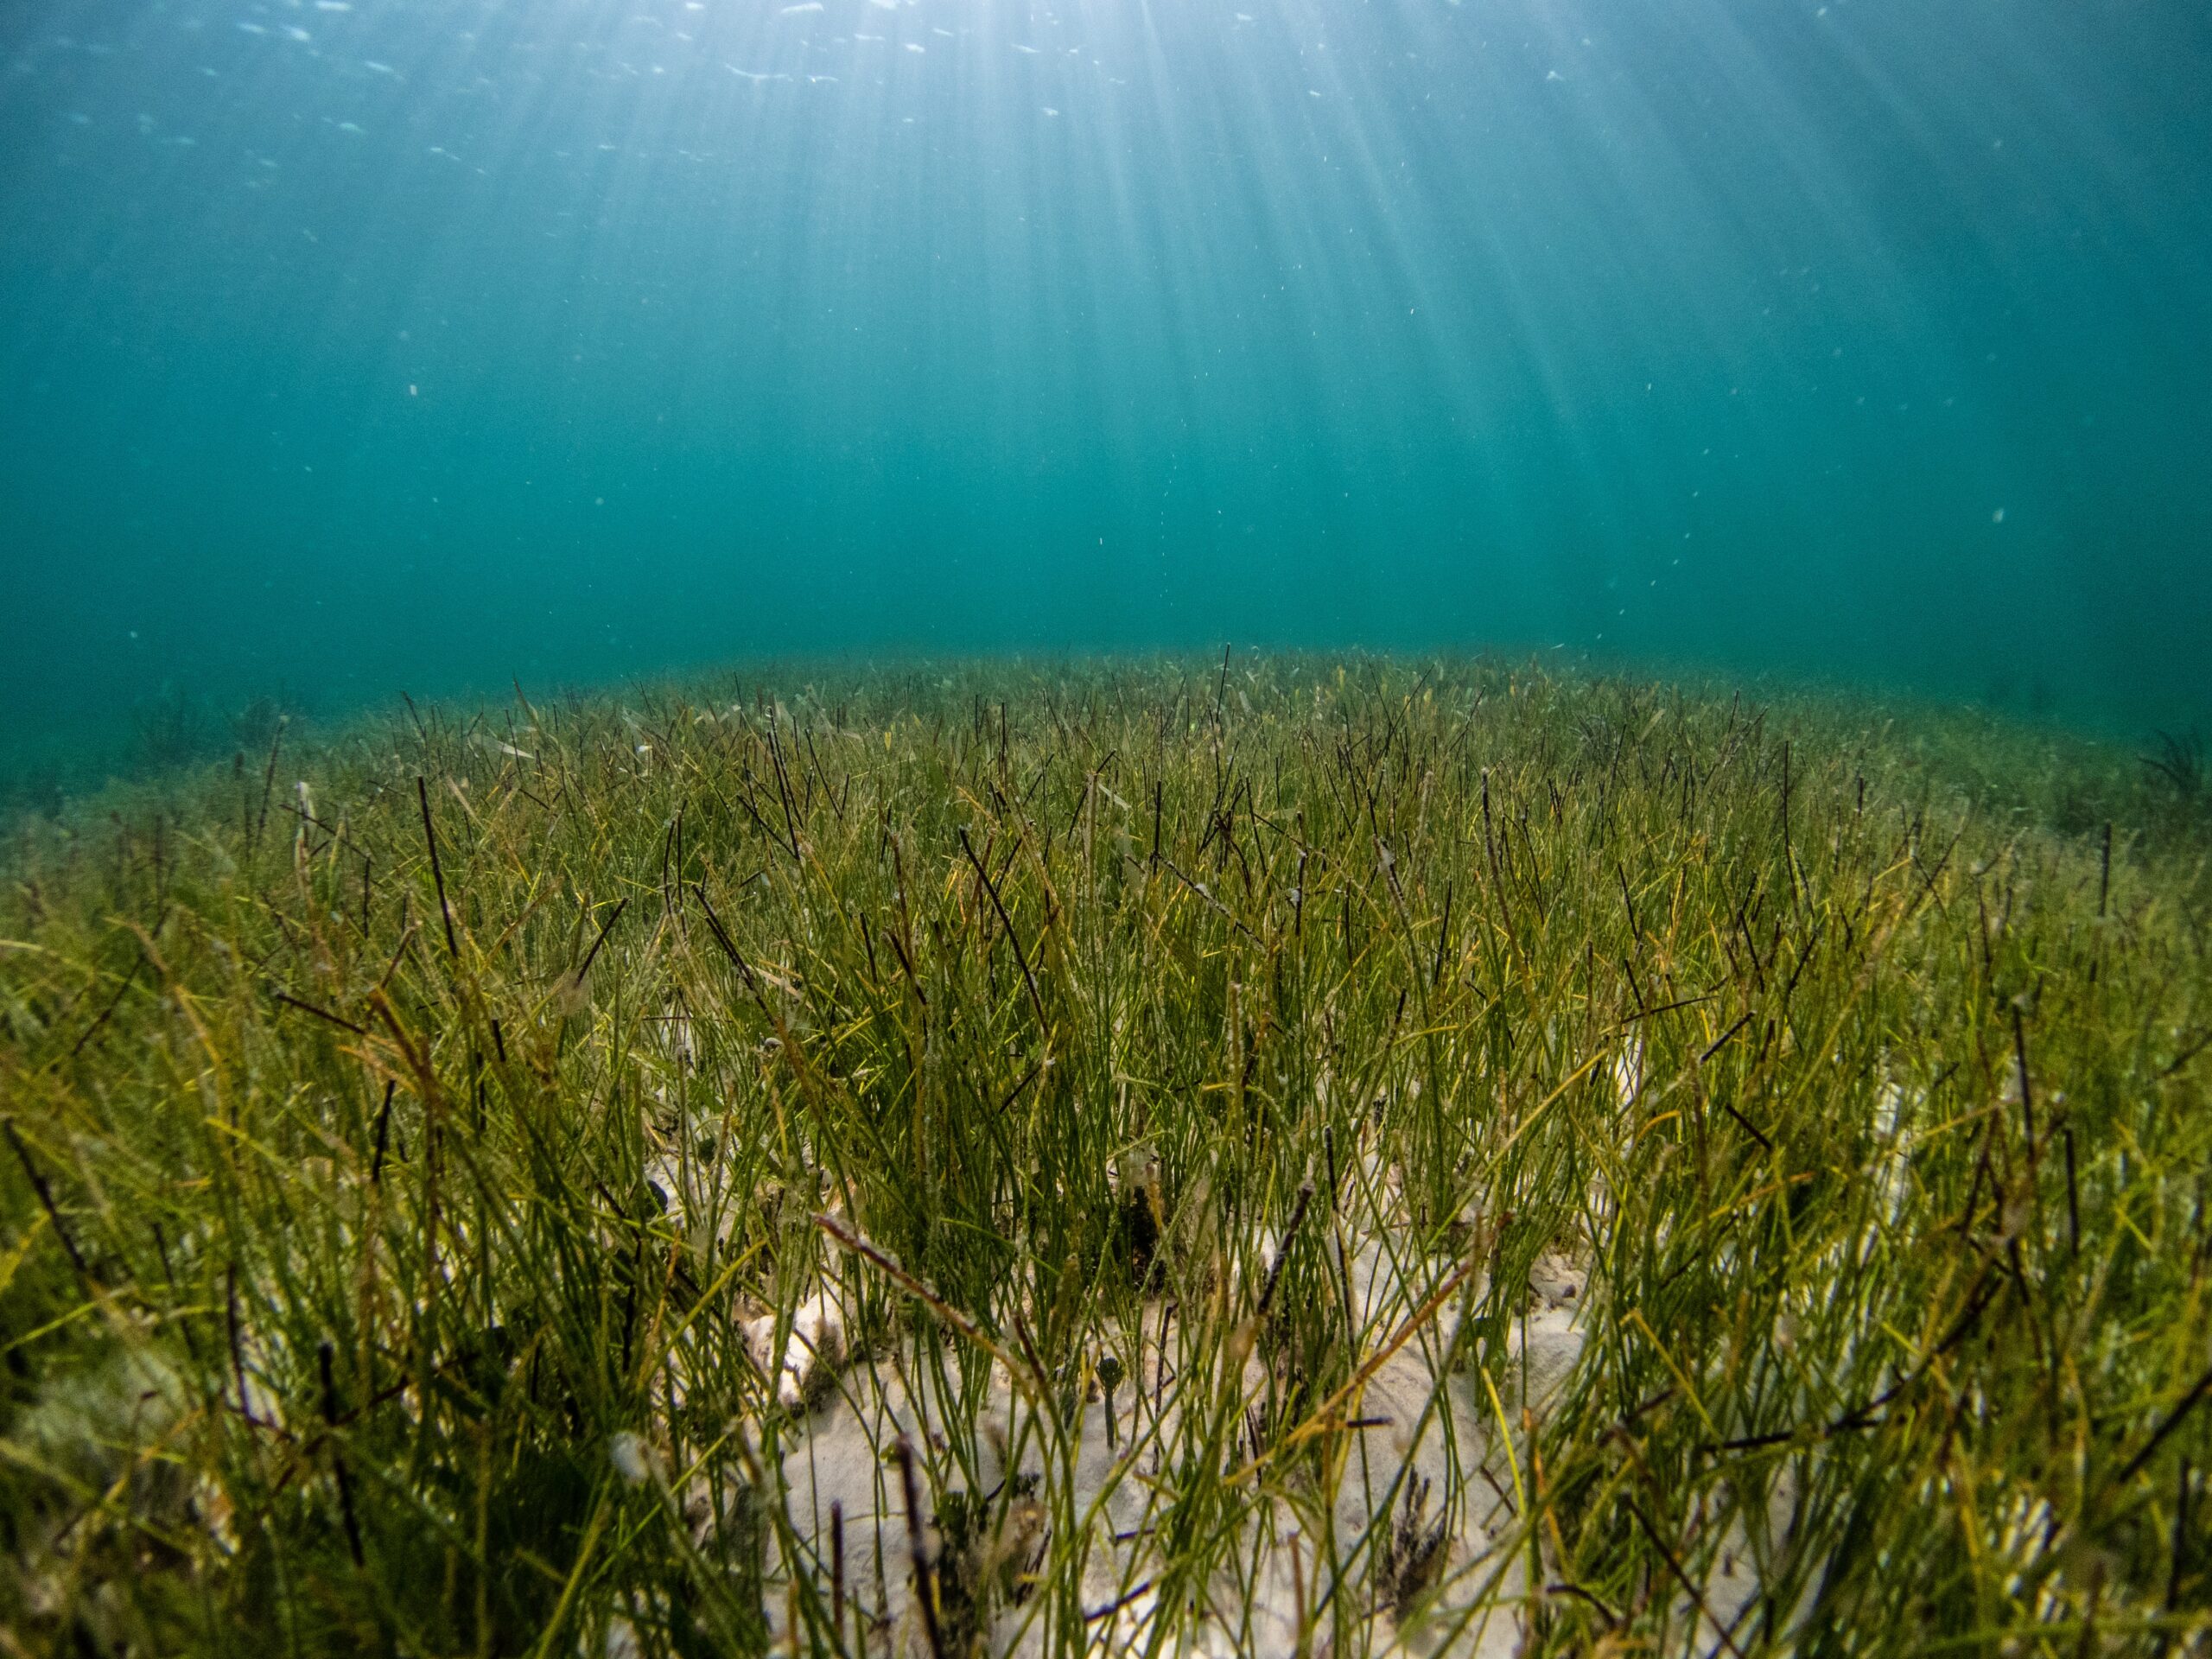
(1280, 1155)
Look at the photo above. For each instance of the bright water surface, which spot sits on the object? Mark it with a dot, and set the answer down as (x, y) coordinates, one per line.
(351, 347)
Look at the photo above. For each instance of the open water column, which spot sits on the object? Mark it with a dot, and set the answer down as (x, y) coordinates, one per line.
(352, 346)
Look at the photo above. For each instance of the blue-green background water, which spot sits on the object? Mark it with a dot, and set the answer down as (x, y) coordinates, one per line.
(427, 343)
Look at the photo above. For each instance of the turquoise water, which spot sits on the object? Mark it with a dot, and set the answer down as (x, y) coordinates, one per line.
(428, 344)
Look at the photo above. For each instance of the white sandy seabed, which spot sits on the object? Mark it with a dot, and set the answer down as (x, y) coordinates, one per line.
(1419, 1517)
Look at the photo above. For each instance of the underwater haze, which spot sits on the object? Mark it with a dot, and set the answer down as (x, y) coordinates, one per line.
(356, 345)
